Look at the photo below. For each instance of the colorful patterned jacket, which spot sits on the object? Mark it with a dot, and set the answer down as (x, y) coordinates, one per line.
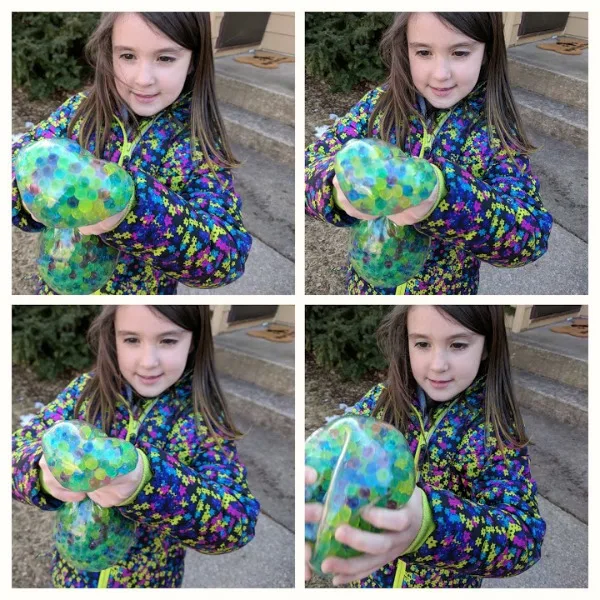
(185, 224)
(197, 496)
(483, 501)
(491, 212)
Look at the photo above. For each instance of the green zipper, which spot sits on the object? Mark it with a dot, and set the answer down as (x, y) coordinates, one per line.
(132, 430)
(128, 147)
(424, 437)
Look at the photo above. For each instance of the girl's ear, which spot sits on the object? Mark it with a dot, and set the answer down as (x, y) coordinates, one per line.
(484, 354)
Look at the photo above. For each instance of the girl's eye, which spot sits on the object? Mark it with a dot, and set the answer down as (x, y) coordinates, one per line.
(130, 340)
(127, 56)
(461, 53)
(169, 342)
(422, 345)
(166, 59)
(423, 53)
(460, 345)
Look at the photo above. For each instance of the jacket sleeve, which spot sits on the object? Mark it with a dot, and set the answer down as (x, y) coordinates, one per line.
(494, 529)
(27, 447)
(198, 492)
(196, 236)
(319, 161)
(496, 212)
(55, 126)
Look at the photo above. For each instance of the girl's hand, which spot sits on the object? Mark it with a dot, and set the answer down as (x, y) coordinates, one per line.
(106, 225)
(54, 488)
(312, 514)
(399, 529)
(414, 214)
(346, 205)
(120, 488)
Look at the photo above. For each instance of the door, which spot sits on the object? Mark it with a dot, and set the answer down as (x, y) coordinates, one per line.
(533, 23)
(242, 29)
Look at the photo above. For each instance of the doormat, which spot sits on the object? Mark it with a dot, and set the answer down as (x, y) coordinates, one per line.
(274, 333)
(565, 45)
(264, 60)
(578, 328)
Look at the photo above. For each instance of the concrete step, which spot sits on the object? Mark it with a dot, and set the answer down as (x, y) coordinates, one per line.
(560, 402)
(270, 137)
(559, 461)
(267, 272)
(553, 118)
(564, 561)
(260, 406)
(266, 188)
(269, 365)
(269, 459)
(266, 562)
(562, 169)
(267, 92)
(557, 76)
(556, 356)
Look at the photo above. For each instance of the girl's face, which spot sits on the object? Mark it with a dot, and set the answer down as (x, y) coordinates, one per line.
(151, 350)
(444, 63)
(150, 68)
(444, 355)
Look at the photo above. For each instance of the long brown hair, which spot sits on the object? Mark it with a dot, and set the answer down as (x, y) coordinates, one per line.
(190, 31)
(107, 384)
(501, 408)
(397, 104)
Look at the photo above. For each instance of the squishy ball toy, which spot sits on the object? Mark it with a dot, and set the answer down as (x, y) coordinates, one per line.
(65, 187)
(360, 462)
(83, 458)
(379, 179)
(92, 538)
(386, 254)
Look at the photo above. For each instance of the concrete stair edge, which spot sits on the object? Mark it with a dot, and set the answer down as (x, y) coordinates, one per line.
(548, 363)
(255, 98)
(560, 87)
(552, 118)
(540, 394)
(260, 406)
(268, 136)
(255, 369)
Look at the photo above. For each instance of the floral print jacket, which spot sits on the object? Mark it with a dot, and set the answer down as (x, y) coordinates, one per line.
(197, 496)
(491, 211)
(483, 500)
(185, 224)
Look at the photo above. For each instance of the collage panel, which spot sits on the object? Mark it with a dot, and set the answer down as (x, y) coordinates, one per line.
(153, 446)
(446, 446)
(446, 153)
(153, 153)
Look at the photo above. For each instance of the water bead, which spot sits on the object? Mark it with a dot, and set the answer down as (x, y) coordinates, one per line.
(357, 462)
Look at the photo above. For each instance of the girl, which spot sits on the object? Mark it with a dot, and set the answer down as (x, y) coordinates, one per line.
(474, 511)
(152, 109)
(447, 100)
(154, 384)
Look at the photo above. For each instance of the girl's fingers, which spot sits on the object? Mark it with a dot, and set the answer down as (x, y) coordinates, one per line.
(365, 541)
(313, 512)
(387, 519)
(310, 475)
(353, 569)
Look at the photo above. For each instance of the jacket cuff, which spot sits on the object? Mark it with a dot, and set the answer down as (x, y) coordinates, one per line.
(441, 190)
(146, 476)
(427, 526)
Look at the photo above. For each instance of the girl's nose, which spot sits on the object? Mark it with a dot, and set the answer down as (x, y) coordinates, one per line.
(439, 361)
(441, 68)
(149, 357)
(144, 75)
